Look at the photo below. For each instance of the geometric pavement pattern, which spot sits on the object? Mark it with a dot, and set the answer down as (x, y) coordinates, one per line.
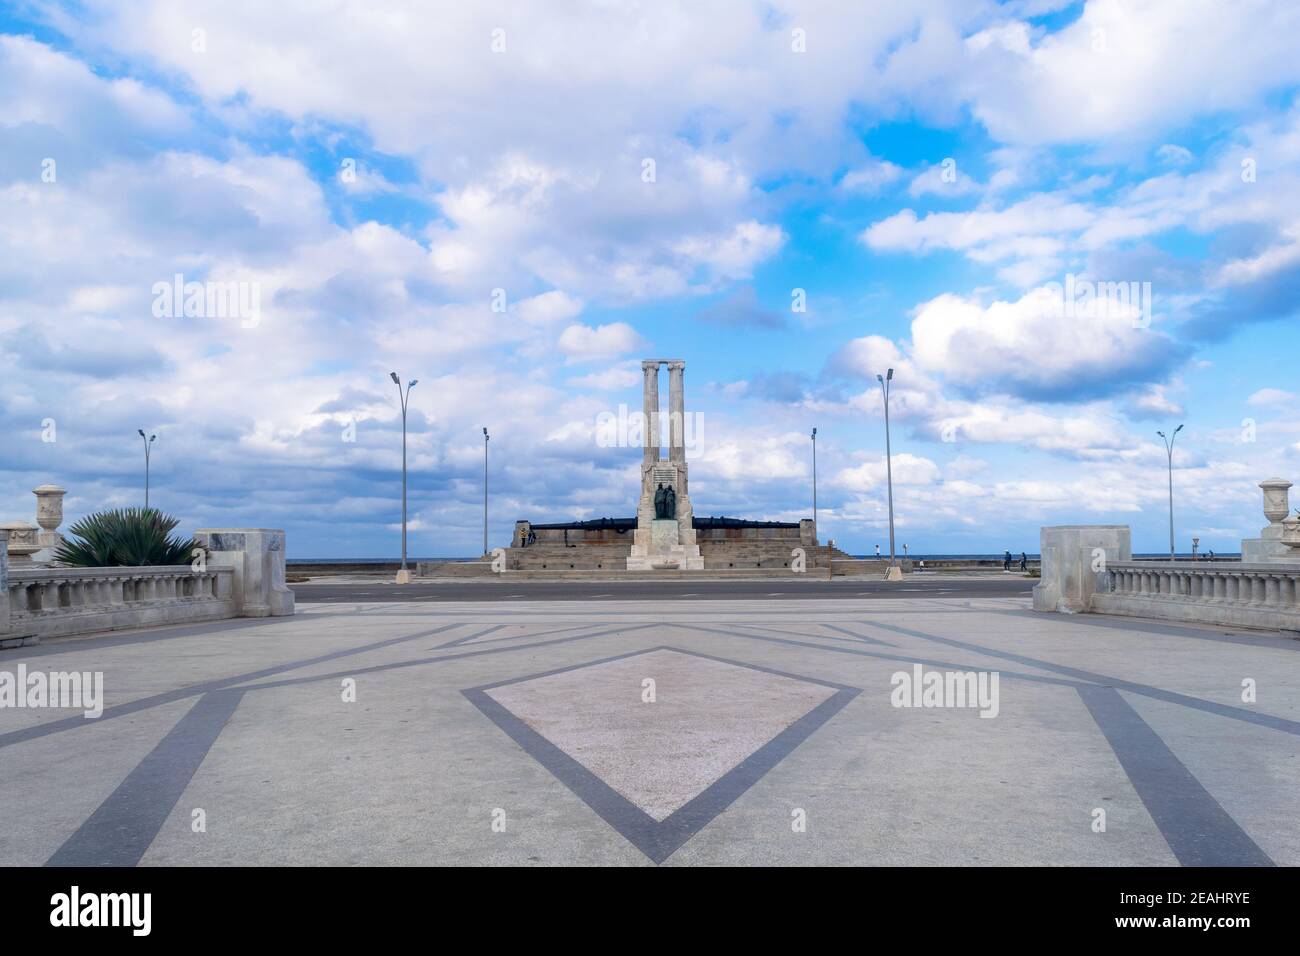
(678, 728)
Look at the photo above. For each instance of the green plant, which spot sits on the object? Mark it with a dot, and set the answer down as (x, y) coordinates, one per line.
(125, 537)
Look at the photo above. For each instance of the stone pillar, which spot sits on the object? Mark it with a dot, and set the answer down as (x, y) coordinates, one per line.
(1068, 580)
(650, 407)
(257, 556)
(676, 413)
(22, 542)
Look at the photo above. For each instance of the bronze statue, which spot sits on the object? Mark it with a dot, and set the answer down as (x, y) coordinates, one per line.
(665, 503)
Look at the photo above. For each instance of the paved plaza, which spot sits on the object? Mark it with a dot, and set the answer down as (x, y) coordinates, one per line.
(660, 732)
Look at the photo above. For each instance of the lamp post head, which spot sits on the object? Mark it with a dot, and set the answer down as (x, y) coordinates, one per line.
(396, 381)
(485, 434)
(890, 375)
(141, 431)
(152, 437)
(411, 384)
(1178, 429)
(1160, 433)
(814, 434)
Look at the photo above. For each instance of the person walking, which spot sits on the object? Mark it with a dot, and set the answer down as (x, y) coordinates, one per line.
(1024, 561)
(1006, 561)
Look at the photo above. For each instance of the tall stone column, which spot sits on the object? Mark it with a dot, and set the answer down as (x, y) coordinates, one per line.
(650, 406)
(676, 413)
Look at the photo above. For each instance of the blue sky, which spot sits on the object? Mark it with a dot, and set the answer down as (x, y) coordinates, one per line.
(928, 177)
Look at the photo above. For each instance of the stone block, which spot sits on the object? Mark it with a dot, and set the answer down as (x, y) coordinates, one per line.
(257, 557)
(1073, 559)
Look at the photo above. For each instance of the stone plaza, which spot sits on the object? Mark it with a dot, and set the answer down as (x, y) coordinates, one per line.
(402, 731)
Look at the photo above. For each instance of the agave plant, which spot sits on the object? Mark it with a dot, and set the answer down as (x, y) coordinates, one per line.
(125, 537)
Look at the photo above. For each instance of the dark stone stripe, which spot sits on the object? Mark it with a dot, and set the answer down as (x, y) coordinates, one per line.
(1197, 829)
(468, 637)
(194, 690)
(908, 659)
(125, 825)
(1145, 690)
(861, 637)
(659, 839)
(420, 662)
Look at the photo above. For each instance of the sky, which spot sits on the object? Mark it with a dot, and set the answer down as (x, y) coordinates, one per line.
(514, 204)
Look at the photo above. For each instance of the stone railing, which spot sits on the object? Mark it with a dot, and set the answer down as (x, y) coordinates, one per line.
(239, 573)
(1213, 592)
(53, 602)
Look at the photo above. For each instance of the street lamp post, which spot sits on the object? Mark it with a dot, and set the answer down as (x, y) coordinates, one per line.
(814, 446)
(485, 492)
(403, 575)
(1169, 451)
(147, 442)
(894, 572)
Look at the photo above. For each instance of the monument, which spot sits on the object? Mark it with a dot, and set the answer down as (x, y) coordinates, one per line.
(665, 534)
(665, 527)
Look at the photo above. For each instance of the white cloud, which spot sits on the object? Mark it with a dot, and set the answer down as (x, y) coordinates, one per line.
(1127, 68)
(908, 469)
(622, 376)
(549, 307)
(872, 177)
(1273, 396)
(1029, 346)
(585, 342)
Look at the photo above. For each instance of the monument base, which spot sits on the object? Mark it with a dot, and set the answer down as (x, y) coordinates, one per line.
(1265, 551)
(663, 552)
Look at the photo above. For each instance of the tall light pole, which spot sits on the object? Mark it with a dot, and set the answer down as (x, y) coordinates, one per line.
(147, 442)
(485, 536)
(403, 575)
(892, 573)
(1169, 451)
(814, 444)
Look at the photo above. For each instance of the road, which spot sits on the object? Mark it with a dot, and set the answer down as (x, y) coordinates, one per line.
(750, 590)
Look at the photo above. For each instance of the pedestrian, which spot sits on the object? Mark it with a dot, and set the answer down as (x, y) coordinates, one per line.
(877, 551)
(1006, 561)
(1024, 561)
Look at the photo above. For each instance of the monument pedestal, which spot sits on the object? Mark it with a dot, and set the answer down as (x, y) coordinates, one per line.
(663, 551)
(1269, 548)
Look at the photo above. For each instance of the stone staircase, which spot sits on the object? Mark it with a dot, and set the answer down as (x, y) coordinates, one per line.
(724, 557)
(737, 554)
